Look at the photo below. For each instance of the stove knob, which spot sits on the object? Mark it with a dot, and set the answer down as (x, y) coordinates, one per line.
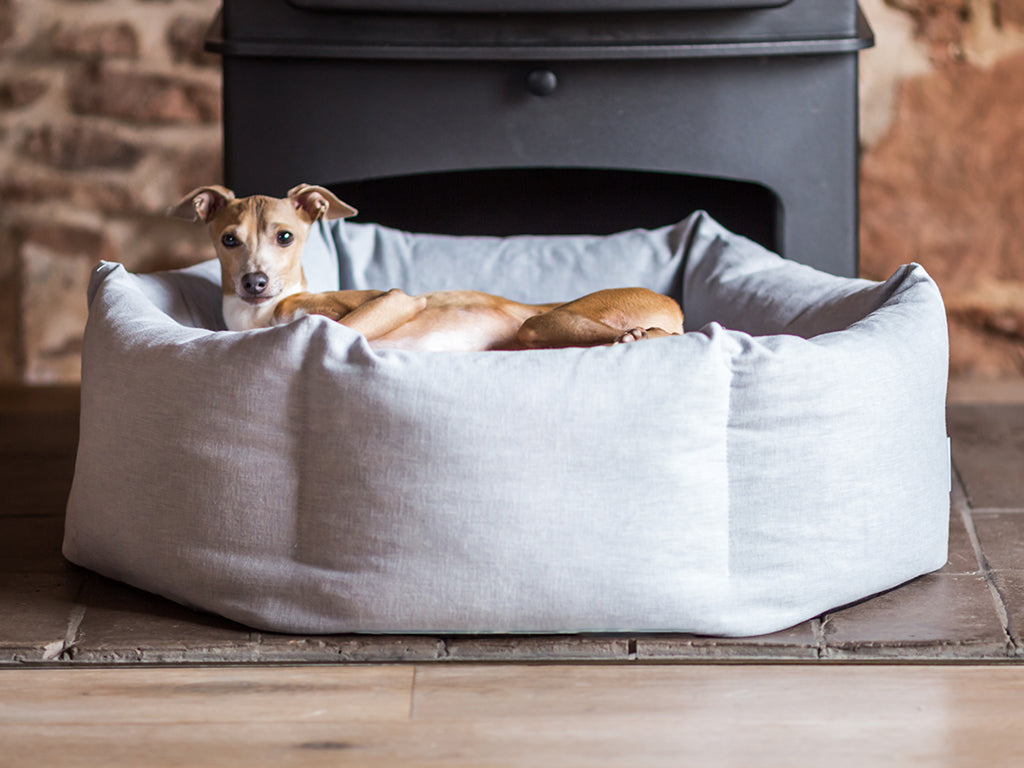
(541, 82)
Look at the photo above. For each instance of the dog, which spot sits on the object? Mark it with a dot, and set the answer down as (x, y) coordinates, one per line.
(259, 242)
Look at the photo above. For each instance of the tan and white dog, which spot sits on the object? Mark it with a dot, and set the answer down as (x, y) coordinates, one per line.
(259, 242)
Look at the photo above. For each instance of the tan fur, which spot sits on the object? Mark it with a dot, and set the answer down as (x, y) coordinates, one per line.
(441, 320)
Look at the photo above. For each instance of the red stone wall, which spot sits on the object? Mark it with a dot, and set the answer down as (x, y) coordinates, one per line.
(942, 180)
(109, 111)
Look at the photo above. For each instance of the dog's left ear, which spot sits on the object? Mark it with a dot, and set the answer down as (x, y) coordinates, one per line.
(317, 202)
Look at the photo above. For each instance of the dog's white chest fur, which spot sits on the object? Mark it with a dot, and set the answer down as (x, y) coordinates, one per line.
(240, 315)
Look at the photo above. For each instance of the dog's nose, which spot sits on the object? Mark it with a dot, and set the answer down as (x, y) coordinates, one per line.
(255, 283)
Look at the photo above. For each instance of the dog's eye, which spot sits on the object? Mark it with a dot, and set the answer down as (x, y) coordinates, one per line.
(229, 240)
(285, 238)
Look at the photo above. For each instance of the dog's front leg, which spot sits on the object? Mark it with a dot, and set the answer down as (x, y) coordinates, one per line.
(383, 314)
(371, 313)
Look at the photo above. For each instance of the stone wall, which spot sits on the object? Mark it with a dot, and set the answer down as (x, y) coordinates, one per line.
(942, 178)
(109, 111)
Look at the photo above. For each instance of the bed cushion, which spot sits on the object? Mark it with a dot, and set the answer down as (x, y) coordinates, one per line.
(785, 456)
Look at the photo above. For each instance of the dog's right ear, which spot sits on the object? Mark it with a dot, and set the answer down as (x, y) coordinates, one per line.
(202, 204)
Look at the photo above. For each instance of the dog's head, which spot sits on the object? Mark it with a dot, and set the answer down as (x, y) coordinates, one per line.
(259, 240)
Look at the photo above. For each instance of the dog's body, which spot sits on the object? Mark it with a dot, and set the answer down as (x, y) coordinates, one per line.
(259, 242)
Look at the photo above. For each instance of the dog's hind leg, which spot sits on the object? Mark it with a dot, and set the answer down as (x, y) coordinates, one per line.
(606, 317)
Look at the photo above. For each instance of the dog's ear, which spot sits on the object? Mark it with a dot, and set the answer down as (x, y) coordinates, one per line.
(202, 204)
(317, 202)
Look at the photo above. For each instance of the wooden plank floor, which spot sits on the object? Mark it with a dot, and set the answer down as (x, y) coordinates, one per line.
(514, 715)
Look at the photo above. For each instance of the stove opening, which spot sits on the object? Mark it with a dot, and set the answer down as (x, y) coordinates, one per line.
(560, 201)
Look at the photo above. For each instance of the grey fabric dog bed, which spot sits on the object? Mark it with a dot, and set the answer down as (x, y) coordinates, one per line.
(785, 456)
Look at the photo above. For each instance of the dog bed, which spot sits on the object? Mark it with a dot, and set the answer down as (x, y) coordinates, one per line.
(785, 456)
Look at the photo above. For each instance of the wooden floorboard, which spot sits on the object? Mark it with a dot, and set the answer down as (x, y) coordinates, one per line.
(515, 715)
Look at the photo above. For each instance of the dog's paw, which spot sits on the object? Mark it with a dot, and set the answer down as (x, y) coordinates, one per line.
(633, 334)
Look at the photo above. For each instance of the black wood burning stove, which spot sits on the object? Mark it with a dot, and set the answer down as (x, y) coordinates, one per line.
(555, 116)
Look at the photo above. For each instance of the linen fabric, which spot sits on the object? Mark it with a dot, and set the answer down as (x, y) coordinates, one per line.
(785, 456)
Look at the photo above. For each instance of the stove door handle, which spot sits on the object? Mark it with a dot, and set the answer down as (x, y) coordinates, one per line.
(541, 82)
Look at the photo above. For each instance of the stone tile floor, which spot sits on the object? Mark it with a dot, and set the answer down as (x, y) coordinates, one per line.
(54, 613)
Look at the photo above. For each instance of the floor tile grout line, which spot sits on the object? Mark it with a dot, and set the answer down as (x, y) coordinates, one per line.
(71, 639)
(961, 503)
(75, 620)
(60, 650)
(33, 515)
(818, 633)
